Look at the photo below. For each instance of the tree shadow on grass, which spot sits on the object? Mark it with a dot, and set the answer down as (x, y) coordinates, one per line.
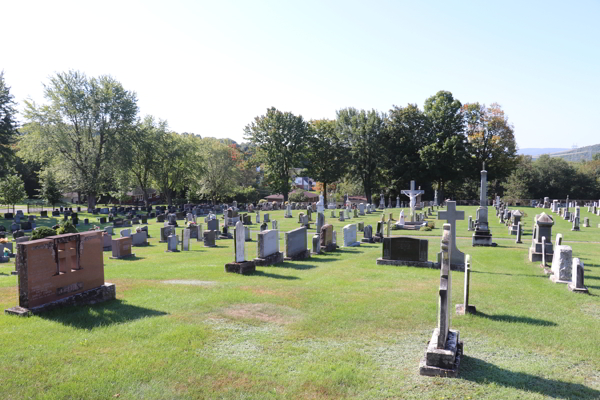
(513, 318)
(504, 273)
(274, 276)
(98, 315)
(592, 277)
(132, 258)
(476, 370)
(292, 265)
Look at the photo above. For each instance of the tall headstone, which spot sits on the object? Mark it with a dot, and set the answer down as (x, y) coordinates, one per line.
(382, 201)
(435, 199)
(321, 204)
(562, 264)
(296, 245)
(185, 244)
(465, 307)
(443, 353)
(577, 284)
(519, 233)
(452, 215)
(482, 235)
(240, 266)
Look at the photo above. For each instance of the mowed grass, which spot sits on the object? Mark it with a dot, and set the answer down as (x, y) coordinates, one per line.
(334, 326)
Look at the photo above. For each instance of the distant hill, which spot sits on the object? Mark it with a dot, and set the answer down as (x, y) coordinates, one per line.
(578, 154)
(532, 151)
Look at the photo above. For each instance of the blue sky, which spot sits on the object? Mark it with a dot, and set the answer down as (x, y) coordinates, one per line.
(210, 67)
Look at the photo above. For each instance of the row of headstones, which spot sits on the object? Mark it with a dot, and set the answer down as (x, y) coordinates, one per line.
(565, 268)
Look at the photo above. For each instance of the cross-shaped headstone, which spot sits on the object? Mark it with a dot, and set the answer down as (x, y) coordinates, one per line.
(452, 215)
(412, 194)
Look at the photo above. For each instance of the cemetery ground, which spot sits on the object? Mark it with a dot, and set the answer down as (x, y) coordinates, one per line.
(330, 327)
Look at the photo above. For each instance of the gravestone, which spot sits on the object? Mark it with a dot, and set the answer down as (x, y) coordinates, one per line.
(212, 225)
(562, 264)
(577, 283)
(268, 248)
(361, 226)
(519, 233)
(320, 221)
(266, 218)
(209, 238)
(296, 245)
(121, 248)
(240, 265)
(541, 228)
(482, 235)
(516, 219)
(172, 242)
(326, 238)
(575, 224)
(263, 226)
(452, 215)
(465, 307)
(125, 232)
(106, 241)
(248, 235)
(349, 232)
(139, 238)
(61, 270)
(368, 235)
(165, 232)
(400, 250)
(185, 245)
(444, 350)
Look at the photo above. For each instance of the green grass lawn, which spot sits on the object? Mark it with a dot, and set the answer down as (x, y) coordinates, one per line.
(336, 326)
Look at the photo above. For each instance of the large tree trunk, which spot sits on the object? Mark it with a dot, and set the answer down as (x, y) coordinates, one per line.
(145, 194)
(91, 199)
(368, 193)
(325, 194)
(169, 197)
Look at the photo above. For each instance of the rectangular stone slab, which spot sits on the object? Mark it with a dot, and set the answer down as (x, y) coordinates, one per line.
(404, 248)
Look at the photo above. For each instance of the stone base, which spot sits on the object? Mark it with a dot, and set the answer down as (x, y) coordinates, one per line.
(406, 227)
(355, 244)
(228, 236)
(244, 268)
(172, 251)
(575, 230)
(442, 362)
(120, 258)
(329, 248)
(420, 264)
(482, 238)
(301, 256)
(534, 256)
(102, 293)
(555, 279)
(572, 288)
(460, 309)
(274, 258)
(367, 240)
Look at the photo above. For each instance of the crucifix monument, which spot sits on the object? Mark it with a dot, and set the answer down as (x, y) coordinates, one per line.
(412, 194)
(452, 215)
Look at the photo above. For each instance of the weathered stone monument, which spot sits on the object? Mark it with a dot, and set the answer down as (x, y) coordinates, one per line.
(562, 264)
(542, 228)
(240, 265)
(268, 248)
(326, 237)
(296, 245)
(349, 232)
(577, 284)
(209, 238)
(465, 307)
(482, 235)
(368, 235)
(61, 270)
(452, 215)
(442, 357)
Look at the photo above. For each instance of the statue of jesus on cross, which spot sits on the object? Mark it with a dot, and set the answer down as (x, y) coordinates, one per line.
(412, 194)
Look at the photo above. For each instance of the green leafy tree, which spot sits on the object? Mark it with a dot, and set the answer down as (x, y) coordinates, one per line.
(50, 188)
(8, 125)
(177, 162)
(281, 139)
(445, 156)
(362, 133)
(491, 139)
(220, 175)
(81, 128)
(144, 152)
(326, 154)
(407, 133)
(12, 190)
(517, 185)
